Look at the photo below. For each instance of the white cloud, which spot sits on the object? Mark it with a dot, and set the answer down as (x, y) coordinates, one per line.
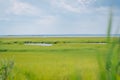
(62, 4)
(102, 10)
(22, 8)
(46, 21)
(76, 6)
(86, 2)
(68, 7)
(105, 10)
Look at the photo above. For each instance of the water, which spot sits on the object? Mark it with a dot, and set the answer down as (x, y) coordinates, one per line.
(39, 44)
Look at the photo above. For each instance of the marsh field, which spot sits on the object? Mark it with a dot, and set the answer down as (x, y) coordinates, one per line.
(60, 58)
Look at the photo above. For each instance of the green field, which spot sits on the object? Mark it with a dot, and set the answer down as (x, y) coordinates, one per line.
(67, 59)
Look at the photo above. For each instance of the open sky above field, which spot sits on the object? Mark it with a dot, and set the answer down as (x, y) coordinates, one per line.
(19, 17)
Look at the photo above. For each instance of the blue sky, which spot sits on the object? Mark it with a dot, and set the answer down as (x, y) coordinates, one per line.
(26, 17)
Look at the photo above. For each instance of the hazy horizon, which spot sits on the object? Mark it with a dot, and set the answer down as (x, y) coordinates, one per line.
(61, 35)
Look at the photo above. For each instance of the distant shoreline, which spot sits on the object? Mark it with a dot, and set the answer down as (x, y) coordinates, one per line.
(61, 35)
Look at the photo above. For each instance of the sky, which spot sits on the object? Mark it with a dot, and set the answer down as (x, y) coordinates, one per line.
(36, 17)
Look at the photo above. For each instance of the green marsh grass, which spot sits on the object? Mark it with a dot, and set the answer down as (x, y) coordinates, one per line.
(112, 59)
(62, 61)
(6, 70)
(108, 71)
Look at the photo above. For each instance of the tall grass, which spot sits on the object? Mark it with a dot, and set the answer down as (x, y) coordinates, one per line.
(6, 70)
(110, 70)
